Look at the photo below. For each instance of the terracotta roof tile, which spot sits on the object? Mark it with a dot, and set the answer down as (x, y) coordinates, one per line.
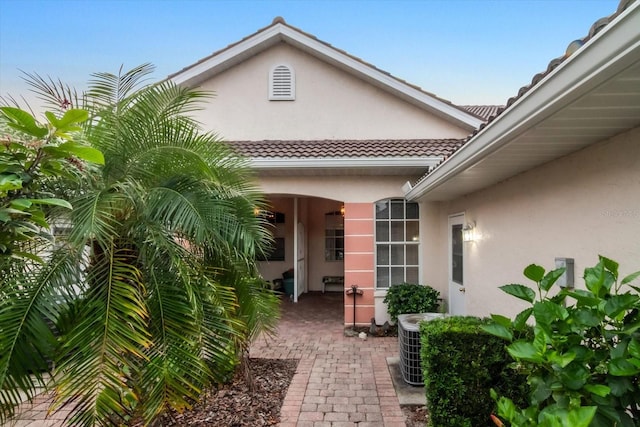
(482, 111)
(573, 46)
(554, 63)
(346, 148)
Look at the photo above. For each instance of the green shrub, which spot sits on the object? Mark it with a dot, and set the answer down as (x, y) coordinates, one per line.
(583, 362)
(411, 298)
(461, 364)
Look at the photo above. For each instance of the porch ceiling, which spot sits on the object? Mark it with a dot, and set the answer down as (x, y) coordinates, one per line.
(589, 98)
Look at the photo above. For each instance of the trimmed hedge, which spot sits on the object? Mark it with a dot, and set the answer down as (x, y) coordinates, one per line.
(460, 364)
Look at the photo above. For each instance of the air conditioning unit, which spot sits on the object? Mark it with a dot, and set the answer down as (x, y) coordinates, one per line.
(409, 340)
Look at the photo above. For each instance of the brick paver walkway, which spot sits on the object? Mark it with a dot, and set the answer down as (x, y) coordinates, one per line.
(340, 381)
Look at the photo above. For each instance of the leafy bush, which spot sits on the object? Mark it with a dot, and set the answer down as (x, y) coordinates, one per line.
(583, 363)
(411, 298)
(461, 364)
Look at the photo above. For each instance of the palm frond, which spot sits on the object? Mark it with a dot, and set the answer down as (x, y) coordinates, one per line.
(30, 301)
(110, 336)
(107, 90)
(56, 95)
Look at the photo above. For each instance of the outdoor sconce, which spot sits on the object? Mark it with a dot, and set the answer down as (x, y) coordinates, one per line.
(342, 210)
(468, 232)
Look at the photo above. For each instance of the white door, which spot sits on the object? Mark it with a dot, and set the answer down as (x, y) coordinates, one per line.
(456, 262)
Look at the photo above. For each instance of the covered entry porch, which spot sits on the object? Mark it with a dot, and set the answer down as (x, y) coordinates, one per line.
(323, 245)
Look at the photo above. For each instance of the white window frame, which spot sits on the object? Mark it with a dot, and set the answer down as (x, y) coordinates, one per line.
(406, 242)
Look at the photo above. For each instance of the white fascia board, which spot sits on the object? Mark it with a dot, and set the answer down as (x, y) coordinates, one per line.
(614, 48)
(226, 58)
(194, 75)
(368, 71)
(343, 163)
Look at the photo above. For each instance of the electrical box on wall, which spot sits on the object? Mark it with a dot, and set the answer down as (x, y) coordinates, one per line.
(566, 280)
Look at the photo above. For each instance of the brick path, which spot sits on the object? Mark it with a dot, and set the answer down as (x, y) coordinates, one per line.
(340, 381)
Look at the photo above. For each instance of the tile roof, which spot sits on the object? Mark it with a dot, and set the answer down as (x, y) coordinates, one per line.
(573, 46)
(554, 63)
(347, 148)
(483, 111)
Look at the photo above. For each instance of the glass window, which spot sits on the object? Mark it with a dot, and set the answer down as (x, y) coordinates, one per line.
(397, 242)
(334, 236)
(456, 253)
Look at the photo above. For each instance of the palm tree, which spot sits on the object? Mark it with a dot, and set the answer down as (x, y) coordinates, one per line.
(154, 291)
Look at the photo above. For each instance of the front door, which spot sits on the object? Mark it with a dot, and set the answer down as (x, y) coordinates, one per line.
(456, 262)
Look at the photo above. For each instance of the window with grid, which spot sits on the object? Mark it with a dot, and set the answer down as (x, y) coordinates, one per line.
(397, 242)
(334, 236)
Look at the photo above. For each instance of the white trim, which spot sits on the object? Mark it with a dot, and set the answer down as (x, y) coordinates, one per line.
(365, 162)
(613, 49)
(280, 32)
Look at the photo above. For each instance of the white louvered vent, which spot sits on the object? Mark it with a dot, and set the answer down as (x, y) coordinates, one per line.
(282, 84)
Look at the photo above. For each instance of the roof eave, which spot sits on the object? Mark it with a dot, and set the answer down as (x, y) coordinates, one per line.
(345, 163)
(610, 51)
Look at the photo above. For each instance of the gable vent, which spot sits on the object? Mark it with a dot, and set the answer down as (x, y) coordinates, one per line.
(282, 84)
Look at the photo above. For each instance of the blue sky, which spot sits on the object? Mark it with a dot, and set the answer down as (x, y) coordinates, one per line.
(466, 51)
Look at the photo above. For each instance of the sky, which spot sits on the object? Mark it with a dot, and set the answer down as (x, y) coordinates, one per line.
(466, 51)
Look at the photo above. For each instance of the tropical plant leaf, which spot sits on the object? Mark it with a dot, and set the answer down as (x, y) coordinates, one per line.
(498, 330)
(534, 272)
(520, 291)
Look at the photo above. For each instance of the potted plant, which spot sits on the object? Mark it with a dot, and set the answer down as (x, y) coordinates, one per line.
(407, 298)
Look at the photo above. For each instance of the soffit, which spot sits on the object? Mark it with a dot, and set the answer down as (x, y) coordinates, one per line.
(586, 99)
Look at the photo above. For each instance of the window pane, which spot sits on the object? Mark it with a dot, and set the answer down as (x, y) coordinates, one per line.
(456, 253)
(382, 210)
(382, 231)
(382, 254)
(412, 275)
(412, 254)
(397, 209)
(397, 275)
(397, 254)
(412, 210)
(382, 277)
(397, 231)
(413, 231)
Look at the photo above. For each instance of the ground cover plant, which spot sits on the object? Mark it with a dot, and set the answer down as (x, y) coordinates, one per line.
(152, 292)
(583, 362)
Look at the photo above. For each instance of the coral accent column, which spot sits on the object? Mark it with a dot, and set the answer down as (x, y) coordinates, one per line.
(359, 261)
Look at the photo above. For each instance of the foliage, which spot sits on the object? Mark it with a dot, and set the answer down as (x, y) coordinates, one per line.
(153, 292)
(583, 363)
(32, 156)
(411, 298)
(461, 364)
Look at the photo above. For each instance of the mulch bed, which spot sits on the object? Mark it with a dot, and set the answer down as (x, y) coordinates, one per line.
(235, 405)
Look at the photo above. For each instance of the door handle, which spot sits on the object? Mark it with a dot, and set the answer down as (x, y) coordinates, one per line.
(463, 290)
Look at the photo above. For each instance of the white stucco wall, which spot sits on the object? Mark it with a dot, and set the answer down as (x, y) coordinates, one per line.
(579, 206)
(330, 104)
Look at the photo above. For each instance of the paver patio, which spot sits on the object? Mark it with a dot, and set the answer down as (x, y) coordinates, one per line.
(340, 381)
